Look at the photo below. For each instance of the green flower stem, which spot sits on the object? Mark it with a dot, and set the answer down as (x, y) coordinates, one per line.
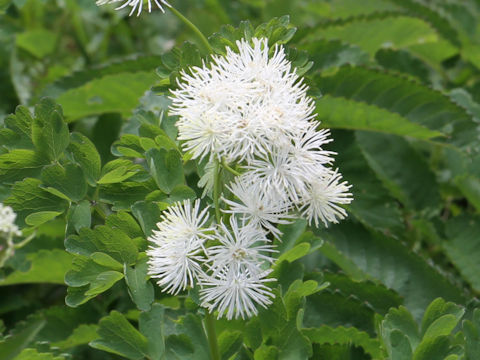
(230, 169)
(212, 336)
(216, 191)
(193, 28)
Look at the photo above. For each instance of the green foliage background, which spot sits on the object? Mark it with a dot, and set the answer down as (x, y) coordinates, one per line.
(397, 81)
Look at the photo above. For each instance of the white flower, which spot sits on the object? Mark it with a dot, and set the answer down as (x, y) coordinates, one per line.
(320, 201)
(236, 293)
(242, 248)
(176, 253)
(7, 222)
(135, 4)
(279, 175)
(257, 206)
(241, 104)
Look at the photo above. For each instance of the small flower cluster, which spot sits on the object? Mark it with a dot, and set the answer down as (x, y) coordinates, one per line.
(250, 111)
(136, 5)
(7, 222)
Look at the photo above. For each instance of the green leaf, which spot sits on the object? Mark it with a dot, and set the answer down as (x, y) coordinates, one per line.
(82, 335)
(408, 177)
(166, 167)
(295, 253)
(46, 266)
(151, 325)
(400, 32)
(103, 282)
(192, 342)
(21, 124)
(38, 42)
(41, 217)
(118, 174)
(229, 343)
(376, 295)
(19, 164)
(387, 260)
(434, 349)
(148, 215)
(12, 346)
(33, 354)
(399, 347)
(139, 287)
(266, 352)
(463, 247)
(469, 185)
(341, 335)
(338, 112)
(78, 216)
(119, 337)
(471, 330)
(114, 242)
(106, 260)
(86, 155)
(124, 195)
(417, 103)
(111, 93)
(437, 310)
(373, 205)
(49, 132)
(68, 180)
(124, 221)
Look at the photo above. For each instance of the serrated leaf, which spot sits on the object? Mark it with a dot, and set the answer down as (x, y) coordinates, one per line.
(375, 294)
(124, 195)
(46, 266)
(19, 164)
(417, 103)
(12, 346)
(338, 112)
(86, 155)
(347, 336)
(68, 180)
(432, 349)
(166, 167)
(114, 242)
(229, 343)
(295, 253)
(21, 124)
(393, 264)
(124, 221)
(463, 247)
(119, 337)
(408, 177)
(397, 31)
(111, 93)
(139, 287)
(471, 330)
(49, 132)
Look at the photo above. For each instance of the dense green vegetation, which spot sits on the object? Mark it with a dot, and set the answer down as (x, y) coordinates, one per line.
(89, 160)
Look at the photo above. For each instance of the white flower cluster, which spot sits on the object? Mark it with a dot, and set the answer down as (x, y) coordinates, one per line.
(135, 5)
(7, 222)
(250, 110)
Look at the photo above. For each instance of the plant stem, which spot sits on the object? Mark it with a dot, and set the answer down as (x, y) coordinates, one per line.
(212, 336)
(216, 191)
(230, 169)
(195, 29)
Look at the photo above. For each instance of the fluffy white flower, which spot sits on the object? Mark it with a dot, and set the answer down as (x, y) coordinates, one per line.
(7, 222)
(241, 104)
(243, 247)
(236, 293)
(320, 201)
(258, 207)
(175, 256)
(135, 4)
